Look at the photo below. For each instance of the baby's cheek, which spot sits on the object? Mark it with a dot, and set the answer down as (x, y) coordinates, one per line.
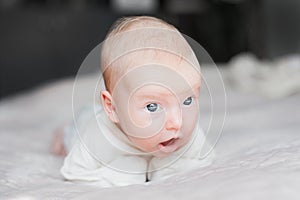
(140, 119)
(189, 119)
(148, 124)
(146, 144)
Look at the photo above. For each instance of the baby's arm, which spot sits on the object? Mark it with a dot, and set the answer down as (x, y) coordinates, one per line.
(81, 166)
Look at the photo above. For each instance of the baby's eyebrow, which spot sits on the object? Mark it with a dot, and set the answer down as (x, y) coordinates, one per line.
(162, 94)
(157, 95)
(193, 89)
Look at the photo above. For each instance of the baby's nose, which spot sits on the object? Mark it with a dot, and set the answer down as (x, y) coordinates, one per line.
(173, 119)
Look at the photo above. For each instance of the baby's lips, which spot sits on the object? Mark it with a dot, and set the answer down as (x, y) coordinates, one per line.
(168, 142)
(167, 148)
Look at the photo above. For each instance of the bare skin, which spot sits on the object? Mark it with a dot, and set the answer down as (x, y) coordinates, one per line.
(57, 146)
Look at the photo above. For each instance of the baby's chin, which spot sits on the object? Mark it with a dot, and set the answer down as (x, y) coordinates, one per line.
(159, 152)
(163, 154)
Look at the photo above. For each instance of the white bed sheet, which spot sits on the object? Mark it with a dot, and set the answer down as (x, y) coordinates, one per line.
(258, 154)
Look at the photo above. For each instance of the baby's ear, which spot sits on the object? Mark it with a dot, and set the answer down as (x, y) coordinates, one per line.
(109, 108)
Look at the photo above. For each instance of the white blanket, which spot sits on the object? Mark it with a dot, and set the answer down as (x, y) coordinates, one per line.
(257, 156)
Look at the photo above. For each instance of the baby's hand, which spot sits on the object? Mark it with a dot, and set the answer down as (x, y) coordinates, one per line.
(57, 146)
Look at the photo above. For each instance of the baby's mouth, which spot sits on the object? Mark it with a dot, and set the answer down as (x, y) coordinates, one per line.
(168, 142)
(169, 145)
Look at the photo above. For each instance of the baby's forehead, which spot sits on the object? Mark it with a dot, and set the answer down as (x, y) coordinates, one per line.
(174, 74)
(175, 61)
(181, 64)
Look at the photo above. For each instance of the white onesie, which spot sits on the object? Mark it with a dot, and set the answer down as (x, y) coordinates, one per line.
(101, 154)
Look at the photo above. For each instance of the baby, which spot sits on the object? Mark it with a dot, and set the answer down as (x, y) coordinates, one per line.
(147, 127)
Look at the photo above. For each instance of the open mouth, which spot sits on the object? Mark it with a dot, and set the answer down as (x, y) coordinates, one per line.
(169, 145)
(168, 142)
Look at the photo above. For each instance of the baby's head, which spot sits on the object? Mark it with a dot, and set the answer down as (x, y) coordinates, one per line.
(152, 81)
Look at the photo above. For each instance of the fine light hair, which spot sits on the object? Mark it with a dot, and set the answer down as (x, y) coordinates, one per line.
(137, 32)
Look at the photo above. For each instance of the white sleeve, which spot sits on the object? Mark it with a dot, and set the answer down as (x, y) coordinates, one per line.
(80, 166)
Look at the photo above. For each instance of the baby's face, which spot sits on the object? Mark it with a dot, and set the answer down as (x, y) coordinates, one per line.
(157, 103)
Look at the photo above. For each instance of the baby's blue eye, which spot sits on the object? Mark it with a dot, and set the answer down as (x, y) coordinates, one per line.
(188, 101)
(152, 107)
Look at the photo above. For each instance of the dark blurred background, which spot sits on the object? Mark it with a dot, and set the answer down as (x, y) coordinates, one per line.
(44, 40)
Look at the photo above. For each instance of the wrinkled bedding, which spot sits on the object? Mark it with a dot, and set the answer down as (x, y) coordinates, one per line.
(257, 155)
